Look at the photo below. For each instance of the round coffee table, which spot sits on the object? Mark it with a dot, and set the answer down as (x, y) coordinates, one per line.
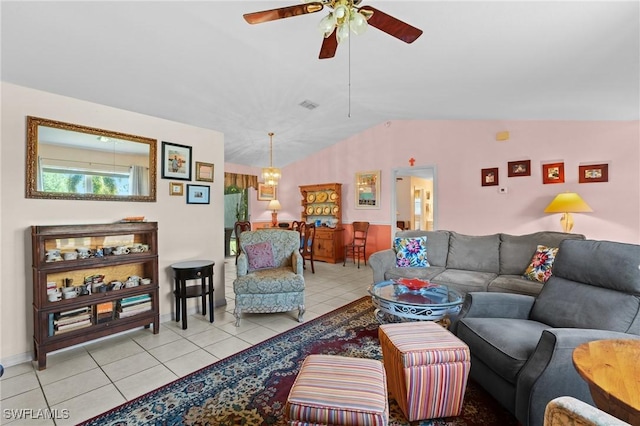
(395, 302)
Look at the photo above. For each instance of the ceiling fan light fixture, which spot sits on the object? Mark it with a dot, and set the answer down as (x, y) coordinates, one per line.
(358, 23)
(343, 32)
(327, 25)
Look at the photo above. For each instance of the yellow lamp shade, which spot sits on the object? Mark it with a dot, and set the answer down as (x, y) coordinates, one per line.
(567, 203)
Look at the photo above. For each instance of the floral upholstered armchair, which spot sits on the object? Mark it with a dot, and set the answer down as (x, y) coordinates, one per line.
(269, 273)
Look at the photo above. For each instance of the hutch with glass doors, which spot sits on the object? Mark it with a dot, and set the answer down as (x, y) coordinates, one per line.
(90, 281)
(322, 205)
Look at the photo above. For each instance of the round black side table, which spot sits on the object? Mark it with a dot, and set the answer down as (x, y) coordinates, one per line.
(193, 270)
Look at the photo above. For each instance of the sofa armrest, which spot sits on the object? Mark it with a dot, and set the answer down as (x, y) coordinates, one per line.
(297, 263)
(380, 262)
(242, 266)
(494, 305)
(550, 373)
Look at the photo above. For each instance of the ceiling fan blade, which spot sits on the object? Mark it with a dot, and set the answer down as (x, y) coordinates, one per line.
(283, 12)
(329, 46)
(392, 26)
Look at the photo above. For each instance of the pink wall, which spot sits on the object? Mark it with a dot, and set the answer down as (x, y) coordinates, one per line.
(459, 149)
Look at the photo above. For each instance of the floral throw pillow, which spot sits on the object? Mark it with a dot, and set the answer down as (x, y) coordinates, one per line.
(260, 255)
(411, 252)
(540, 267)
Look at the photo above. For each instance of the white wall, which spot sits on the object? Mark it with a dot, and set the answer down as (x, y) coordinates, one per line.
(186, 231)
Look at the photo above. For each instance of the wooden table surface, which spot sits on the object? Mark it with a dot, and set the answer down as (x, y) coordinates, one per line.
(612, 370)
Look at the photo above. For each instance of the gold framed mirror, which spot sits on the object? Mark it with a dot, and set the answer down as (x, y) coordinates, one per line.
(73, 162)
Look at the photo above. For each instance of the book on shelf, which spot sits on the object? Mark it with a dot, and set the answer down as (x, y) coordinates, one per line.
(72, 319)
(104, 317)
(128, 314)
(104, 307)
(70, 327)
(73, 312)
(134, 299)
(136, 307)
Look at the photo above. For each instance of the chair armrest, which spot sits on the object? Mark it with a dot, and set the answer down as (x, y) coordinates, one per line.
(566, 410)
(242, 267)
(550, 373)
(380, 262)
(296, 263)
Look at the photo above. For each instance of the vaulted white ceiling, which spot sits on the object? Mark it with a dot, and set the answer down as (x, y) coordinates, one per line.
(199, 62)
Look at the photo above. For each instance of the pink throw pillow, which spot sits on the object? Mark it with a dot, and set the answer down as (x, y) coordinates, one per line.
(260, 255)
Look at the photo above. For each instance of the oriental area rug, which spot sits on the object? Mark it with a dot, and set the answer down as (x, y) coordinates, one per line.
(251, 387)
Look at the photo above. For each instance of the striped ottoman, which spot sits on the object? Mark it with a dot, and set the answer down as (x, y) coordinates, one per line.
(427, 368)
(337, 390)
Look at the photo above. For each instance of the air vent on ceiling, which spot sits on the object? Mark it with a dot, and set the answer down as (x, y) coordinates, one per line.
(308, 105)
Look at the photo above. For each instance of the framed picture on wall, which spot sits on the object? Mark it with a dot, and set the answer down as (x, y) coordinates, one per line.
(368, 190)
(204, 171)
(519, 168)
(266, 192)
(489, 176)
(593, 173)
(176, 188)
(176, 161)
(553, 173)
(198, 194)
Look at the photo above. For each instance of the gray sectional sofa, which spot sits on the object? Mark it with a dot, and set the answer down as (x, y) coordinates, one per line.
(490, 263)
(522, 346)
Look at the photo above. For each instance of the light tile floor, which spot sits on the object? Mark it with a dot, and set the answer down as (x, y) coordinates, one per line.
(87, 380)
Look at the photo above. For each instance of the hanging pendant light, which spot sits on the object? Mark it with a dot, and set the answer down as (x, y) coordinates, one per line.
(271, 175)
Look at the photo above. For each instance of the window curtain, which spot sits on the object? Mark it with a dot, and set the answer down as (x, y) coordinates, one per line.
(240, 181)
(138, 180)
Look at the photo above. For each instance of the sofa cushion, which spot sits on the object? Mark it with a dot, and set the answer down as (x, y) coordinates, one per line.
(260, 255)
(516, 250)
(464, 281)
(515, 284)
(505, 344)
(421, 273)
(269, 281)
(540, 267)
(411, 252)
(474, 253)
(563, 304)
(437, 244)
(600, 263)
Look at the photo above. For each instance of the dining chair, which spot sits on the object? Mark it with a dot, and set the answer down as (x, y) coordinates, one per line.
(358, 245)
(306, 249)
(239, 228)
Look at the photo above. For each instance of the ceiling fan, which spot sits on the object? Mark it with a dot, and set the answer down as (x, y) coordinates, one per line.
(344, 17)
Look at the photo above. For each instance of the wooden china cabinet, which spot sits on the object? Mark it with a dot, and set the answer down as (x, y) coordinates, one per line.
(322, 203)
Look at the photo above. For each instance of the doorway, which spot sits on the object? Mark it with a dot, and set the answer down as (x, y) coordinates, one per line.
(413, 199)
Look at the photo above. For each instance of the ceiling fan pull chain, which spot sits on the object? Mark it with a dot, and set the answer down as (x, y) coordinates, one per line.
(349, 109)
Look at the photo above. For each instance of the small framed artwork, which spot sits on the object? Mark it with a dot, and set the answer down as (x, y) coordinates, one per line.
(176, 188)
(266, 192)
(176, 161)
(198, 194)
(368, 190)
(553, 173)
(204, 171)
(519, 168)
(593, 173)
(490, 177)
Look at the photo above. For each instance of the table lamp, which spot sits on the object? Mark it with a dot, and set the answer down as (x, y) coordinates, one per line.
(274, 206)
(567, 203)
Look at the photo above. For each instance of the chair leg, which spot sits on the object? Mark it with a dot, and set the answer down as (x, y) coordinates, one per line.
(236, 313)
(301, 310)
(313, 270)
